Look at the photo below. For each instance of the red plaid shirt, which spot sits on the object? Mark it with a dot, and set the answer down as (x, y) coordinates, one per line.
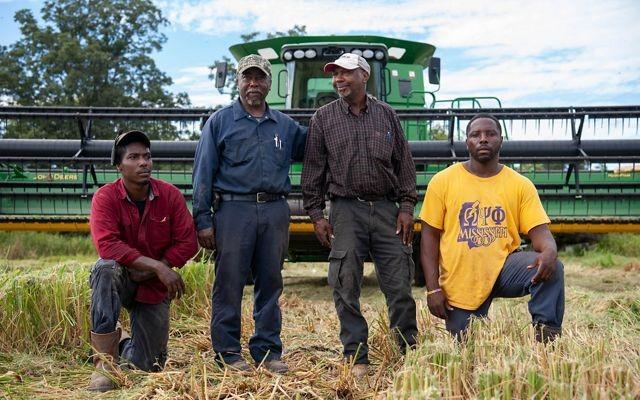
(165, 230)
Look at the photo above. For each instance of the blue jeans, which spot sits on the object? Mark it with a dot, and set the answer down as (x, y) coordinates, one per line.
(250, 238)
(111, 289)
(546, 305)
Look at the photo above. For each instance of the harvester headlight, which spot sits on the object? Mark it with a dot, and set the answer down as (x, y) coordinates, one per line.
(379, 55)
(367, 53)
(298, 54)
(311, 53)
(287, 55)
(357, 52)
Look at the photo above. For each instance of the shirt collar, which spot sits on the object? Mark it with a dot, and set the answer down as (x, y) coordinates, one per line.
(122, 191)
(239, 112)
(345, 106)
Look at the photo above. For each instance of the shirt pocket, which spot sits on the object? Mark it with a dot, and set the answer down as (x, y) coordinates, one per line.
(283, 154)
(159, 231)
(237, 151)
(381, 146)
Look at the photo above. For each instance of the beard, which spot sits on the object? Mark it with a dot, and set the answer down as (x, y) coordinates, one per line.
(253, 99)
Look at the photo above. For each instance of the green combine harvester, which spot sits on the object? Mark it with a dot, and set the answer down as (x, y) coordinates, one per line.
(585, 161)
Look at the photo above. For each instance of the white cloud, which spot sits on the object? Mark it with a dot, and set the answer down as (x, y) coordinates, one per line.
(546, 48)
(201, 90)
(511, 49)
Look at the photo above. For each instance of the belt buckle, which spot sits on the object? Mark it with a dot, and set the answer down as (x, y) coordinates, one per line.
(258, 197)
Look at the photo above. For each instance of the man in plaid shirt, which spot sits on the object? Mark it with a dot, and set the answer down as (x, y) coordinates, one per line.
(356, 153)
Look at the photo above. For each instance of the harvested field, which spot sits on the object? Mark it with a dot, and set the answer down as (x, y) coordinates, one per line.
(44, 342)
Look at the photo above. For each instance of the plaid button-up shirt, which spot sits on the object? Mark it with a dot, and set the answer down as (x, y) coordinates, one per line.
(352, 156)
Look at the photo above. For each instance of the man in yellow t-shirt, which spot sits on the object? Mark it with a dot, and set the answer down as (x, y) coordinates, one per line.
(472, 217)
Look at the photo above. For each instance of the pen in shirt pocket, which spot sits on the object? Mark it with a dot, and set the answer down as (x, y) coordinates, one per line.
(389, 136)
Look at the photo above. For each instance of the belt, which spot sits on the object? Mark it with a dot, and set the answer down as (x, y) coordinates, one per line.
(260, 197)
(363, 198)
(371, 198)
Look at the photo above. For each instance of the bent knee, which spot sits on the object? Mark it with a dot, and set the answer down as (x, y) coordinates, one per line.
(105, 269)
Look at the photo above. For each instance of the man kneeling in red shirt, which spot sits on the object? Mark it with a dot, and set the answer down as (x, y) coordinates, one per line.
(141, 228)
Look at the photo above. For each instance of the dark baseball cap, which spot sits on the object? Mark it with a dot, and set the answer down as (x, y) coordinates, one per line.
(126, 138)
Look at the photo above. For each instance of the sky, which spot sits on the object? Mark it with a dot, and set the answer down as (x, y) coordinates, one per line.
(527, 53)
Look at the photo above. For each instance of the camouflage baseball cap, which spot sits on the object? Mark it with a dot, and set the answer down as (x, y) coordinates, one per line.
(254, 60)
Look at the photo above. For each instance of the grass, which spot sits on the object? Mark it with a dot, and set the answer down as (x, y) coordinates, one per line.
(31, 245)
(44, 351)
(609, 251)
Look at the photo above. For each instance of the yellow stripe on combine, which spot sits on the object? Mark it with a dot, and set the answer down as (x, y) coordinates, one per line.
(581, 227)
(595, 228)
(65, 226)
(307, 227)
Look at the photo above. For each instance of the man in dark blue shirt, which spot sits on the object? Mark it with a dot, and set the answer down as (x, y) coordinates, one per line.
(243, 160)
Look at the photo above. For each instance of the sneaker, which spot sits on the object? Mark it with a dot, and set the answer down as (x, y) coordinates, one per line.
(275, 366)
(360, 371)
(239, 365)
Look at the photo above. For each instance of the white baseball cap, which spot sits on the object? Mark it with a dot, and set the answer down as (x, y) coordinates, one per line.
(348, 61)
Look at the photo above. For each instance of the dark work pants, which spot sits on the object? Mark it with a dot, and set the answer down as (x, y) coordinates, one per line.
(363, 228)
(111, 289)
(250, 237)
(546, 305)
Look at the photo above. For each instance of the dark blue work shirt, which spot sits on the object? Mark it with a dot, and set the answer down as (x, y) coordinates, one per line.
(241, 154)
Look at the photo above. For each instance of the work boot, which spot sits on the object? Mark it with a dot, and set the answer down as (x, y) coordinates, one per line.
(546, 334)
(105, 358)
(275, 366)
(360, 371)
(239, 365)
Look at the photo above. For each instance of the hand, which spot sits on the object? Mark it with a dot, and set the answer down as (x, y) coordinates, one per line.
(137, 275)
(206, 238)
(546, 265)
(171, 280)
(324, 232)
(438, 305)
(404, 227)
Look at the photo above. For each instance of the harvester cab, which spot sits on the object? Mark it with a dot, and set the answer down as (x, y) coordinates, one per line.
(397, 68)
(309, 87)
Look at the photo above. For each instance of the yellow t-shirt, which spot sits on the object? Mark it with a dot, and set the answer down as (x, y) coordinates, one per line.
(480, 219)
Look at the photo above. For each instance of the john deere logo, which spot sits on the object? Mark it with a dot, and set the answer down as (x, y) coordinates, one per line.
(56, 177)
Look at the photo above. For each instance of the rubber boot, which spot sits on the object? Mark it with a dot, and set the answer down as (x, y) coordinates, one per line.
(105, 346)
(546, 334)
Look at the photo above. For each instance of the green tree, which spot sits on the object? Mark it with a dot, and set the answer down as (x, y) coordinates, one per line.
(231, 84)
(87, 53)
(437, 132)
